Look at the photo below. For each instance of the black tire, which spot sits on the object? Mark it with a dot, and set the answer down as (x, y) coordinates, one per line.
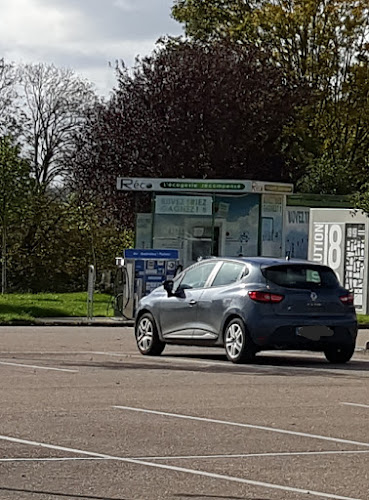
(238, 345)
(147, 338)
(339, 353)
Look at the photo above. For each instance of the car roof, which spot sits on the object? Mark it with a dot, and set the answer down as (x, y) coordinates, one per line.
(262, 261)
(267, 261)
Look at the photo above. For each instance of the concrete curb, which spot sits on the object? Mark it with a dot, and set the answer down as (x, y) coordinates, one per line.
(98, 321)
(72, 322)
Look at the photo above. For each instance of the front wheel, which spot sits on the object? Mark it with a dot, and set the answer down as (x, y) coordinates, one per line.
(339, 353)
(238, 345)
(147, 337)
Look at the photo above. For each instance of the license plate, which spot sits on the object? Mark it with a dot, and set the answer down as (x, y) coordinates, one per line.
(314, 332)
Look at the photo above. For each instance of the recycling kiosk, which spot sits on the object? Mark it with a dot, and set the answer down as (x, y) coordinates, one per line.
(204, 217)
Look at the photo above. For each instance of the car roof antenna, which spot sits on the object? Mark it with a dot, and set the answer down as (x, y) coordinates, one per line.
(288, 255)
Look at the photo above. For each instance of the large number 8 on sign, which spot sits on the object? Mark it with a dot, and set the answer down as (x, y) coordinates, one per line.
(335, 252)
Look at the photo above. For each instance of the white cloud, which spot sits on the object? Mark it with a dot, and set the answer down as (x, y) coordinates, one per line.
(82, 34)
(126, 5)
(93, 60)
(103, 75)
(25, 22)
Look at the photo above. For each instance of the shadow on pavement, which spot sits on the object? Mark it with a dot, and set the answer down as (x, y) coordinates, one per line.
(263, 365)
(279, 360)
(58, 494)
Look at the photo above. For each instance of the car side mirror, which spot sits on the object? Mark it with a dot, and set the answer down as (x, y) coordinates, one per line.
(168, 287)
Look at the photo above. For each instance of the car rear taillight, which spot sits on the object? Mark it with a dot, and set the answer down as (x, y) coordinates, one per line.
(347, 299)
(266, 297)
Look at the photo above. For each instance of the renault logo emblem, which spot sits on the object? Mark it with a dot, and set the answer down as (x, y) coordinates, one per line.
(313, 296)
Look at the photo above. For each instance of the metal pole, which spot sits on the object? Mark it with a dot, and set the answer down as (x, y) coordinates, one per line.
(90, 291)
(3, 263)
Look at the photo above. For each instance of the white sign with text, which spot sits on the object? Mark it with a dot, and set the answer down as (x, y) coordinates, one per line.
(184, 205)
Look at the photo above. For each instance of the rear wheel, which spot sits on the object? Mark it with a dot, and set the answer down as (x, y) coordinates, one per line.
(339, 353)
(147, 337)
(238, 345)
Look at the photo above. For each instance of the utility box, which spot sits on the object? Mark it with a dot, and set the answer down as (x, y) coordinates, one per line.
(144, 270)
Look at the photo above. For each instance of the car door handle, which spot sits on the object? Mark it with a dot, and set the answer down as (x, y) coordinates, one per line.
(192, 302)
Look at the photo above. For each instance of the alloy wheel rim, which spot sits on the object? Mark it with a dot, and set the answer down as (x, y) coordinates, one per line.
(145, 334)
(234, 340)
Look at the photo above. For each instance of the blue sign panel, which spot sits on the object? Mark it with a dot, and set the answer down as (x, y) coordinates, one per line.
(151, 267)
(134, 253)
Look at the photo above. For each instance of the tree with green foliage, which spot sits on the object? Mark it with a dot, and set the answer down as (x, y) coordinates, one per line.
(48, 237)
(55, 104)
(315, 39)
(15, 187)
(9, 115)
(213, 20)
(324, 42)
(192, 110)
(71, 235)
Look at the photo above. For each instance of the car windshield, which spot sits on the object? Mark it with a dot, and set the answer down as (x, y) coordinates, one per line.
(301, 276)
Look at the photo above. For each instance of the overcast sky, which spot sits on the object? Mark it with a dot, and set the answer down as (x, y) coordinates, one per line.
(84, 35)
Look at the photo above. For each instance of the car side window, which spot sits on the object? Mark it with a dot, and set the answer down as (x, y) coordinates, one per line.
(229, 273)
(197, 276)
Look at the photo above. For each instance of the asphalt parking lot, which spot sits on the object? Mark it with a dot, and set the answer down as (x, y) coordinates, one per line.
(84, 416)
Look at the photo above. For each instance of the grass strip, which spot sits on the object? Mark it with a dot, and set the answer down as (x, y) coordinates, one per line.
(27, 307)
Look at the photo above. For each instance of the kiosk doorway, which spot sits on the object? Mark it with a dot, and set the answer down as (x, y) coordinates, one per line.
(203, 240)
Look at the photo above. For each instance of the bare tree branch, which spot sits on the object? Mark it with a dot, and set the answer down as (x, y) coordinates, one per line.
(56, 101)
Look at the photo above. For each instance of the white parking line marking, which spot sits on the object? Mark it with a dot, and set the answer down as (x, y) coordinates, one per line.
(355, 404)
(198, 457)
(39, 367)
(181, 469)
(259, 455)
(247, 426)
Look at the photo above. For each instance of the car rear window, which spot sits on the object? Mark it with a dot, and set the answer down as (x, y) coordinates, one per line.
(301, 276)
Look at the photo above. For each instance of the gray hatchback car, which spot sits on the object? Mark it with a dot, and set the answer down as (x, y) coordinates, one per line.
(248, 305)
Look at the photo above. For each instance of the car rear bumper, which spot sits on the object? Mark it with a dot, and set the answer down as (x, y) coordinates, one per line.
(285, 336)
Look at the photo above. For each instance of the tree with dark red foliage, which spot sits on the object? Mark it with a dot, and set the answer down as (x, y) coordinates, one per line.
(191, 110)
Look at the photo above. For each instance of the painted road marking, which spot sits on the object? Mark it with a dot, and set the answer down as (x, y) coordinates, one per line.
(259, 455)
(38, 367)
(197, 457)
(195, 472)
(247, 426)
(355, 404)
